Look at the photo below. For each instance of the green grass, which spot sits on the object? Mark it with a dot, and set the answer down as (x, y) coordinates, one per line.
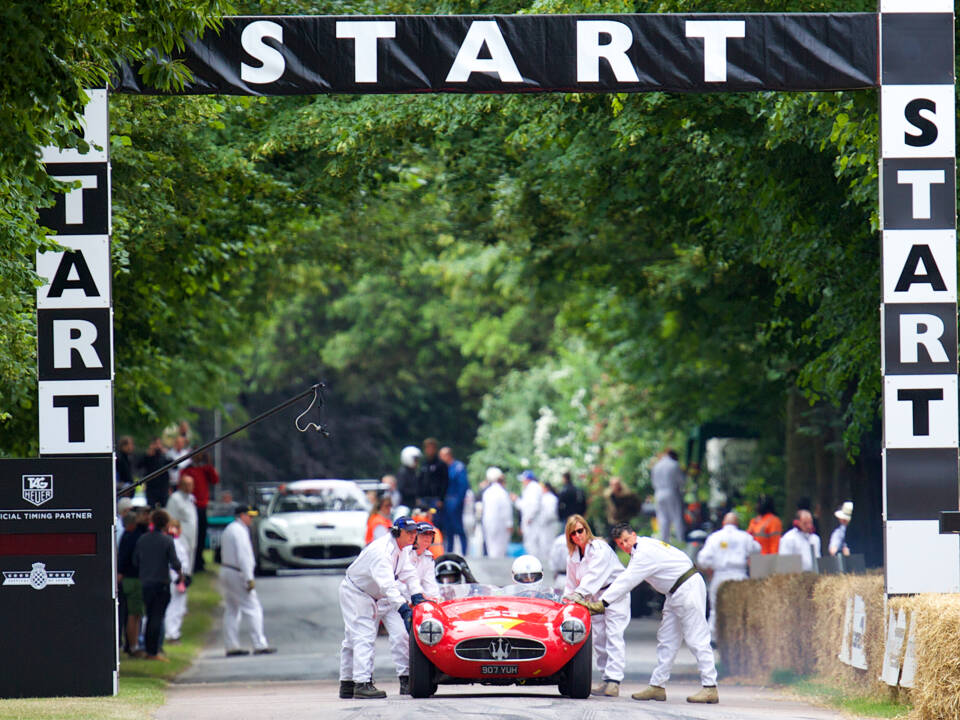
(831, 696)
(142, 682)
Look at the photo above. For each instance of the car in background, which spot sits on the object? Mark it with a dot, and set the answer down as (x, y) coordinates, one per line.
(483, 634)
(312, 524)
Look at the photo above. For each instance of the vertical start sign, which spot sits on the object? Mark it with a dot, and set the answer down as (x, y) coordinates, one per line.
(918, 216)
(74, 309)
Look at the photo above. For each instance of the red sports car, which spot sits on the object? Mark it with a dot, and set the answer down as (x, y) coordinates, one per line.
(482, 634)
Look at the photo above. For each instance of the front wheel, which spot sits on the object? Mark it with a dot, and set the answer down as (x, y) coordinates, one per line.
(421, 671)
(577, 673)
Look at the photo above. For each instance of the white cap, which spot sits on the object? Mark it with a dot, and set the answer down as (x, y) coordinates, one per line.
(494, 474)
(845, 512)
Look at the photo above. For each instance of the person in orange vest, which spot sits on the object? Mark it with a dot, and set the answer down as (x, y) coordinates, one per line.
(766, 527)
(426, 516)
(379, 521)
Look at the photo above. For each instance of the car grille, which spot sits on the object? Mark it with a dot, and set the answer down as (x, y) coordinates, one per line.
(500, 649)
(325, 552)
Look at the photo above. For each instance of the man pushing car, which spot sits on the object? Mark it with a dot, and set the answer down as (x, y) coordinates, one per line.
(671, 573)
(375, 576)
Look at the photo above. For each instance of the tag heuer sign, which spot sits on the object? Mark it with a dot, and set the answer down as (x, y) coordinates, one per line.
(37, 489)
(39, 577)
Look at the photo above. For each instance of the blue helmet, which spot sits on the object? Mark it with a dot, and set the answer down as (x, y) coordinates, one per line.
(527, 475)
(404, 523)
(425, 527)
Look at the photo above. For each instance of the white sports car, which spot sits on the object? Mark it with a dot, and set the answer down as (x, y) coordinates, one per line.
(312, 524)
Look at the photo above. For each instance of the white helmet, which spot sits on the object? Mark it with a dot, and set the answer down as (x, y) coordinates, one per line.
(494, 474)
(409, 456)
(527, 571)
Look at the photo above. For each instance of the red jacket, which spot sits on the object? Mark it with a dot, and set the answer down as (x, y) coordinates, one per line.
(204, 478)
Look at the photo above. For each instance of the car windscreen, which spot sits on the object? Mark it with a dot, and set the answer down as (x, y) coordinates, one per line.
(323, 500)
(466, 590)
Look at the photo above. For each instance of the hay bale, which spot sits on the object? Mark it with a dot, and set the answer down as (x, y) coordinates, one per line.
(830, 600)
(764, 625)
(936, 695)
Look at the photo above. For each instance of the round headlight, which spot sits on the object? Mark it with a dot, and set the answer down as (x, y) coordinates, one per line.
(430, 631)
(572, 630)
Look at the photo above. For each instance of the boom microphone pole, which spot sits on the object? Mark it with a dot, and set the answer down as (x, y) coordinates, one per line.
(320, 428)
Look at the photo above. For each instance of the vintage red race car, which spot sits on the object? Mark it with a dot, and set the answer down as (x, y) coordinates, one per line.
(482, 634)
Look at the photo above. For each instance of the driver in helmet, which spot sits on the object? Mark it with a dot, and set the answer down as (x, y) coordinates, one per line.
(527, 573)
(452, 569)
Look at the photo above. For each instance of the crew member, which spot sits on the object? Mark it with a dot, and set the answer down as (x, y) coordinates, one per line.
(236, 583)
(726, 553)
(529, 506)
(422, 560)
(670, 572)
(378, 522)
(373, 576)
(592, 566)
(497, 517)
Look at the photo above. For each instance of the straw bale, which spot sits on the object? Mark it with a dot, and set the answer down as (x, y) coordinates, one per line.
(937, 692)
(765, 625)
(830, 601)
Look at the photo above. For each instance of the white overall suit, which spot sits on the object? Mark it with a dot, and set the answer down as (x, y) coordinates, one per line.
(236, 570)
(529, 506)
(373, 576)
(684, 611)
(668, 483)
(497, 519)
(725, 552)
(590, 576)
(396, 630)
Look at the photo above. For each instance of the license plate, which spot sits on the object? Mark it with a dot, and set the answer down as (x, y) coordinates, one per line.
(499, 669)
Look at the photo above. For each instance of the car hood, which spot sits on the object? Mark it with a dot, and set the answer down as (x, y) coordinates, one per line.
(500, 613)
(300, 526)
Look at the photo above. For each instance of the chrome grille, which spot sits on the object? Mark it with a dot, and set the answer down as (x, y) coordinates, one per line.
(500, 649)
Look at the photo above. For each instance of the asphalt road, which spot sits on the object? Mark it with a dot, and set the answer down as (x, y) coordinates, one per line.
(302, 619)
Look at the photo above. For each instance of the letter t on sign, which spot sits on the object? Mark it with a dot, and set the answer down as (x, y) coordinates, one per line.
(715, 34)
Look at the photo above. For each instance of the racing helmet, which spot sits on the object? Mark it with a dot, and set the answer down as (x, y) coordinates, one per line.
(449, 572)
(527, 570)
(409, 456)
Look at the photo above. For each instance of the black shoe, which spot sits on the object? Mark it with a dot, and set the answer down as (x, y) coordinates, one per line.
(404, 684)
(366, 691)
(237, 652)
(265, 651)
(346, 689)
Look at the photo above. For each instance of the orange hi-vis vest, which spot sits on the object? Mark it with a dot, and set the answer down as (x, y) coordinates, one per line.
(373, 522)
(766, 530)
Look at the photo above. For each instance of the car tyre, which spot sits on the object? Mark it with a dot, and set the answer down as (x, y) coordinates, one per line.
(579, 672)
(421, 671)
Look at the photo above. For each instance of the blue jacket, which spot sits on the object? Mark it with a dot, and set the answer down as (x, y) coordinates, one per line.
(457, 487)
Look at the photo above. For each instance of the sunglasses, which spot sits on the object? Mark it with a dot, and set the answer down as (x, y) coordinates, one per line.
(577, 531)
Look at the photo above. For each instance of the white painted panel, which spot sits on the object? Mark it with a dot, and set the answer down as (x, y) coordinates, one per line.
(894, 126)
(916, 6)
(97, 420)
(96, 257)
(96, 131)
(920, 559)
(896, 249)
(899, 430)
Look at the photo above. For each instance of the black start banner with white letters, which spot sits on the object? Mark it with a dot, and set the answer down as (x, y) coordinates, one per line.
(535, 53)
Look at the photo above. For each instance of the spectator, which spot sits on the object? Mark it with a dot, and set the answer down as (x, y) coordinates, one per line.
(726, 554)
(181, 506)
(548, 524)
(838, 538)
(766, 527)
(129, 583)
(180, 448)
(379, 521)
(802, 540)
(407, 477)
(177, 609)
(123, 507)
(622, 504)
(457, 488)
(496, 514)
(528, 503)
(669, 485)
(158, 489)
(571, 500)
(153, 557)
(125, 450)
(391, 482)
(433, 479)
(204, 478)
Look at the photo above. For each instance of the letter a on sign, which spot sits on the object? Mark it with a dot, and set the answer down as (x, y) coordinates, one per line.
(484, 32)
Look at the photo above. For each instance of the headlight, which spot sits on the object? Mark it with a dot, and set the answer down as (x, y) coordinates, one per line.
(572, 630)
(430, 632)
(274, 535)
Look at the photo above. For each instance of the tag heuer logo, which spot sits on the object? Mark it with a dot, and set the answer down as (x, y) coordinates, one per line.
(38, 578)
(37, 489)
